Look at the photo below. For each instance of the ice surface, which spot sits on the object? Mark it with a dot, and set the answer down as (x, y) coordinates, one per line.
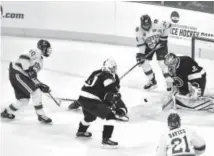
(26, 137)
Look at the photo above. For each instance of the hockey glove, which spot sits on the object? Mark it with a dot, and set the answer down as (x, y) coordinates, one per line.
(32, 73)
(111, 98)
(140, 58)
(44, 88)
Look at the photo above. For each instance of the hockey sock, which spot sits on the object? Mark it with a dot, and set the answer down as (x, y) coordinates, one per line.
(36, 99)
(107, 131)
(15, 106)
(83, 127)
(39, 109)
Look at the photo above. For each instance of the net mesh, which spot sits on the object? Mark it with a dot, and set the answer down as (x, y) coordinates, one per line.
(204, 49)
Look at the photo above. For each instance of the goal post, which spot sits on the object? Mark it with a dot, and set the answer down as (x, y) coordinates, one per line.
(202, 47)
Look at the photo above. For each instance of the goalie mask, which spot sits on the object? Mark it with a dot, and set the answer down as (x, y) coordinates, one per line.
(174, 121)
(146, 22)
(110, 66)
(171, 61)
(45, 47)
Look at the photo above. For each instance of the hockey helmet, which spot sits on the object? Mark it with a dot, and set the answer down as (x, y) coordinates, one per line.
(146, 22)
(110, 66)
(45, 47)
(174, 121)
(171, 61)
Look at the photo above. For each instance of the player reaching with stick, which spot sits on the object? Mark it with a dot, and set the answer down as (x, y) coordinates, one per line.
(152, 37)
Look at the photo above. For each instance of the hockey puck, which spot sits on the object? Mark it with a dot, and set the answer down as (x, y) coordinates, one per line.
(145, 100)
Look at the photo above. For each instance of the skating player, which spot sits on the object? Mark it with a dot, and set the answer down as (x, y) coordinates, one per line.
(152, 37)
(100, 97)
(23, 79)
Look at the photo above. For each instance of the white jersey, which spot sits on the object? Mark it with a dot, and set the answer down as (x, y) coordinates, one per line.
(180, 142)
(159, 31)
(31, 58)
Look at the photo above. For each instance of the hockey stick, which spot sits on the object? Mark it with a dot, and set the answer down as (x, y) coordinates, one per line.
(50, 95)
(54, 99)
(151, 52)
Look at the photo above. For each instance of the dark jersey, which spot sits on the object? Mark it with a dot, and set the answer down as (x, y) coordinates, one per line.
(101, 82)
(187, 71)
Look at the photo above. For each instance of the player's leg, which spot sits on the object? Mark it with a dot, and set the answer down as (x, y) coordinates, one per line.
(96, 108)
(22, 95)
(85, 123)
(161, 53)
(24, 87)
(148, 71)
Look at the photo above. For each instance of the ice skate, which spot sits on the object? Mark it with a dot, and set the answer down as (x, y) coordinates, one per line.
(84, 134)
(74, 105)
(152, 84)
(44, 119)
(6, 115)
(107, 143)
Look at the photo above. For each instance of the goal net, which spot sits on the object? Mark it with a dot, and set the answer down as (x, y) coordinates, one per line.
(202, 48)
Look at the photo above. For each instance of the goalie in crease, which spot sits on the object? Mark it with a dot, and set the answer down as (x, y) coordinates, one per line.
(189, 82)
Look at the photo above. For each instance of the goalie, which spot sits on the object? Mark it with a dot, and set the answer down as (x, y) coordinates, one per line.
(189, 82)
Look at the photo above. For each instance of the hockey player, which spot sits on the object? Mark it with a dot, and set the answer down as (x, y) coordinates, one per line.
(152, 38)
(189, 81)
(179, 141)
(23, 78)
(100, 97)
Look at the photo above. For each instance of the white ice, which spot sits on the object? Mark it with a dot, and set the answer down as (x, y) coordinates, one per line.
(26, 137)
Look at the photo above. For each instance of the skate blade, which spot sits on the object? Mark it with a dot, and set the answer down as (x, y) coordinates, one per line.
(43, 123)
(109, 146)
(83, 138)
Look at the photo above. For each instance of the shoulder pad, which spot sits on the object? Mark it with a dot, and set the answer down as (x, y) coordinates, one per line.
(137, 29)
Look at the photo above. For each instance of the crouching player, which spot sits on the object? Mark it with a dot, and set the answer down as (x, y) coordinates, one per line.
(99, 97)
(189, 82)
(179, 141)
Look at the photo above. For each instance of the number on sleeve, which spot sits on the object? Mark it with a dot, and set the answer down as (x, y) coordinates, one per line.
(194, 68)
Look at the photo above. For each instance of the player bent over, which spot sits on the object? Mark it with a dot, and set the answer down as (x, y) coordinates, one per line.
(152, 37)
(179, 141)
(23, 78)
(189, 80)
(99, 97)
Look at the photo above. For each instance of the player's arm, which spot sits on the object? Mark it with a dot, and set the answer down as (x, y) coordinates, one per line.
(198, 143)
(140, 40)
(194, 75)
(141, 44)
(165, 32)
(162, 148)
